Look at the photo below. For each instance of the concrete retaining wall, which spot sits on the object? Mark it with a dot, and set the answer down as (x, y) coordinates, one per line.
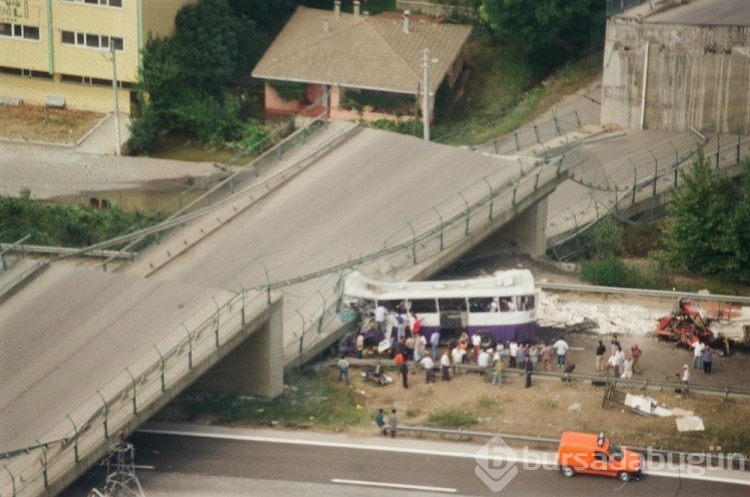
(696, 76)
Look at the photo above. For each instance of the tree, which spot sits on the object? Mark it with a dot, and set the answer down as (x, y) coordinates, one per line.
(206, 41)
(541, 29)
(707, 229)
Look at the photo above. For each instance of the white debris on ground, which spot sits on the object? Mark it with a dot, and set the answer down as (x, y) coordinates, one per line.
(610, 318)
(685, 420)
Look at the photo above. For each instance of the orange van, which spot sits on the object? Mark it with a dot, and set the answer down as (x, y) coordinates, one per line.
(587, 453)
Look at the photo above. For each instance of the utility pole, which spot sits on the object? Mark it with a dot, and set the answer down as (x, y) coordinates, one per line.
(426, 63)
(117, 97)
(118, 148)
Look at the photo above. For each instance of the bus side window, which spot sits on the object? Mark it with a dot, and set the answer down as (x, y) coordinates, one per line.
(507, 304)
(423, 306)
(480, 304)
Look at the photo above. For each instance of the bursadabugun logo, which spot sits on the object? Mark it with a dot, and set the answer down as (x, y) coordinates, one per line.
(496, 464)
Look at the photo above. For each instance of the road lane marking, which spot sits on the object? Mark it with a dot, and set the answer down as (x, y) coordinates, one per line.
(740, 477)
(395, 485)
(143, 466)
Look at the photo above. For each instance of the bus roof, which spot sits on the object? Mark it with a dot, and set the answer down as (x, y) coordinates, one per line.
(502, 283)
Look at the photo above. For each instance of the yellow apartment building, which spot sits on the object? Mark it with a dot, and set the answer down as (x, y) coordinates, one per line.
(60, 51)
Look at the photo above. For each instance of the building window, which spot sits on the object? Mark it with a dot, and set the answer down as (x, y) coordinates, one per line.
(19, 31)
(106, 3)
(99, 42)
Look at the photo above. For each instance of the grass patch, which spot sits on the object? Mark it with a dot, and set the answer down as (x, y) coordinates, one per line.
(451, 418)
(316, 401)
(503, 93)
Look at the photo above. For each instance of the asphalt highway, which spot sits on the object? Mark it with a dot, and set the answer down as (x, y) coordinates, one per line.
(203, 465)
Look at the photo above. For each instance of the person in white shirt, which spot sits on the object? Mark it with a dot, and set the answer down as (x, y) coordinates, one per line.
(476, 342)
(561, 347)
(513, 349)
(445, 364)
(698, 349)
(483, 361)
(619, 361)
(458, 357)
(428, 366)
(380, 313)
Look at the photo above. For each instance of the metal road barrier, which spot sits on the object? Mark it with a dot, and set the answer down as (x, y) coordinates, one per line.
(83, 432)
(738, 461)
(641, 292)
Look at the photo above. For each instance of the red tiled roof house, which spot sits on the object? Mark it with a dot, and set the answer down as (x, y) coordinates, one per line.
(341, 60)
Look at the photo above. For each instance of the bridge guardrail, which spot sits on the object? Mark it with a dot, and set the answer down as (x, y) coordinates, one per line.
(98, 419)
(652, 173)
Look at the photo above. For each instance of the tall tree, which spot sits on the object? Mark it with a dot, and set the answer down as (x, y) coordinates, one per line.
(707, 229)
(542, 29)
(206, 40)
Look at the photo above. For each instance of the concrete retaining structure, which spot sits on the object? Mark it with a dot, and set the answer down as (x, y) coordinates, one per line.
(662, 75)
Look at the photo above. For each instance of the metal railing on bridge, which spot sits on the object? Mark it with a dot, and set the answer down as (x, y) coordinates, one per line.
(641, 177)
(427, 234)
(92, 425)
(539, 133)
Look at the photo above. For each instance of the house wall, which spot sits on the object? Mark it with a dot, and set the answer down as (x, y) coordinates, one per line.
(695, 76)
(456, 69)
(80, 72)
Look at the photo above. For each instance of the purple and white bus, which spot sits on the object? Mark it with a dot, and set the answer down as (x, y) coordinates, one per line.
(501, 307)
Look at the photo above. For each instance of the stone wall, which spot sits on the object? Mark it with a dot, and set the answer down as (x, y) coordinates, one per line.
(696, 76)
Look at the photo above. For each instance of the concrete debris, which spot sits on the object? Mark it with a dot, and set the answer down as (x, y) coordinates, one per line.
(624, 319)
(685, 420)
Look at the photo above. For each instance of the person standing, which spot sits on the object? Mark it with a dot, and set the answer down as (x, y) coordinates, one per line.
(393, 422)
(534, 355)
(476, 342)
(561, 347)
(698, 348)
(547, 357)
(380, 314)
(499, 369)
(685, 378)
(708, 355)
(600, 350)
(343, 365)
(619, 361)
(403, 368)
(429, 371)
(445, 364)
(458, 357)
(380, 421)
(400, 324)
(636, 352)
(522, 350)
(513, 347)
(435, 343)
(627, 367)
(529, 368)
(416, 324)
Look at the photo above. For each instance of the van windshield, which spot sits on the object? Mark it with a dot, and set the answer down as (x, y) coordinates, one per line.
(614, 451)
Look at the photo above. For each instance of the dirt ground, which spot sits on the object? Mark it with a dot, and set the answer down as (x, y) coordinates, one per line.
(43, 124)
(551, 406)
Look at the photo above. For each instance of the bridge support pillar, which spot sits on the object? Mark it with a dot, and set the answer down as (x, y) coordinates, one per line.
(524, 234)
(256, 366)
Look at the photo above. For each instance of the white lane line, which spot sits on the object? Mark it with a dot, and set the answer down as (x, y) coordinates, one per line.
(394, 485)
(733, 477)
(143, 466)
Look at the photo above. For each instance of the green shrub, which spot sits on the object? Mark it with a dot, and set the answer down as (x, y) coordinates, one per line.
(613, 271)
(65, 225)
(451, 418)
(288, 90)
